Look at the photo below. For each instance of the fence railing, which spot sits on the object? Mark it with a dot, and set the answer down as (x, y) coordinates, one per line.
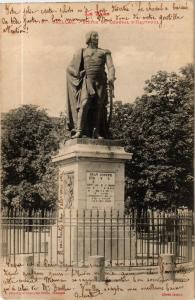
(136, 239)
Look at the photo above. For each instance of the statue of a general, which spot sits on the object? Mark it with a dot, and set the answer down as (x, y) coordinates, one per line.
(90, 90)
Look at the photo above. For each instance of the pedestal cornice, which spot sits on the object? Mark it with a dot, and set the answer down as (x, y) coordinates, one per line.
(90, 148)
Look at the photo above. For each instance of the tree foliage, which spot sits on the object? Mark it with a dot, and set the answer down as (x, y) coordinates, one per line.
(158, 131)
(120, 119)
(29, 138)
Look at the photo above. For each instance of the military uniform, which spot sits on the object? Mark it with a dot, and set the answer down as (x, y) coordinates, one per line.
(88, 85)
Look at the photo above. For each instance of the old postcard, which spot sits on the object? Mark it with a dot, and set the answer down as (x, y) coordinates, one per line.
(97, 150)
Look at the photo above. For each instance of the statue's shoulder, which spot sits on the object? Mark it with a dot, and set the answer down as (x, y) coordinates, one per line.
(78, 51)
(106, 51)
(76, 59)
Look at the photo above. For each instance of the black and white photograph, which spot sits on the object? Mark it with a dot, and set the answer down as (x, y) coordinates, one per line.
(97, 107)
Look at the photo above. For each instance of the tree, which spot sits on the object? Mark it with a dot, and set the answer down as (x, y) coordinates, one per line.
(159, 134)
(29, 139)
(120, 119)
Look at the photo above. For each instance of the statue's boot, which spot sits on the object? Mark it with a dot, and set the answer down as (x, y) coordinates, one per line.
(99, 137)
(77, 135)
(96, 135)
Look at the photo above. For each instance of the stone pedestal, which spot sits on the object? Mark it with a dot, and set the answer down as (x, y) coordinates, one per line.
(91, 180)
(91, 174)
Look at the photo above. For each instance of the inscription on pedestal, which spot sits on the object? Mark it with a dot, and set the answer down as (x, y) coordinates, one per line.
(100, 190)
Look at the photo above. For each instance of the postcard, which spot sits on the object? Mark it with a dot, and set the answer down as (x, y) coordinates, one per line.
(97, 150)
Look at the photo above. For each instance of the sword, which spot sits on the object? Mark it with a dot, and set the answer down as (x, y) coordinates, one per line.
(110, 91)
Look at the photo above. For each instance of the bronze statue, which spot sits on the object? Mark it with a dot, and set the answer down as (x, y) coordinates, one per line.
(90, 90)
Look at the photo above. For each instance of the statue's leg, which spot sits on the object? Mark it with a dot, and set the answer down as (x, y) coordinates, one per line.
(82, 117)
(99, 112)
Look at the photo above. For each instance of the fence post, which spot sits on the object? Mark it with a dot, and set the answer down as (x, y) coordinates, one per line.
(167, 266)
(28, 263)
(97, 267)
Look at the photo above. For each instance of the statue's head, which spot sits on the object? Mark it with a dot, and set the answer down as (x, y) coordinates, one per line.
(92, 38)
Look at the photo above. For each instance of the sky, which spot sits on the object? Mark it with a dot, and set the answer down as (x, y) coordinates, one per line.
(33, 65)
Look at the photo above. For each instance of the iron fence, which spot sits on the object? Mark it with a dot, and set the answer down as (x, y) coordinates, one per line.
(69, 239)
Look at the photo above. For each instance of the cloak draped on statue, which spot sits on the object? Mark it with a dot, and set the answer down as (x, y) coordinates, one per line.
(76, 89)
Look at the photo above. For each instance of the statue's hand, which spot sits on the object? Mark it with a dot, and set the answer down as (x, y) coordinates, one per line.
(111, 79)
